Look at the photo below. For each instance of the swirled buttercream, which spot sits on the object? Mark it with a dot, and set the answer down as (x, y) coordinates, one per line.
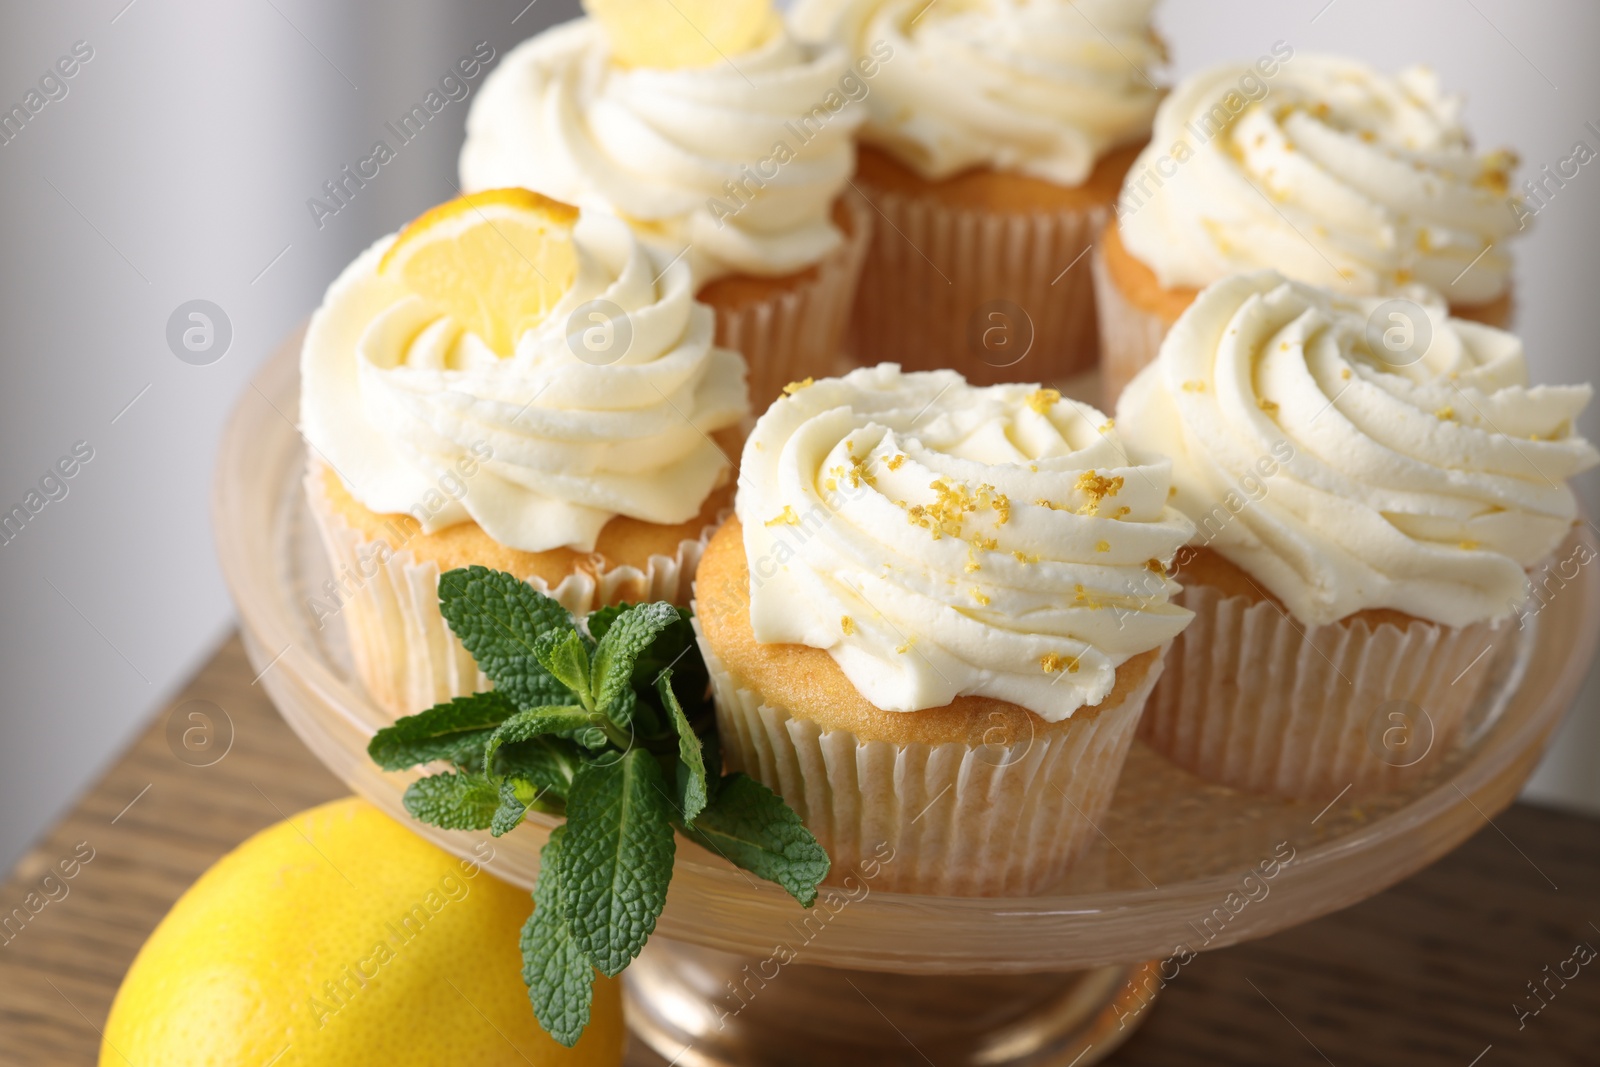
(394, 396)
(939, 539)
(736, 165)
(1328, 171)
(1341, 477)
(1043, 88)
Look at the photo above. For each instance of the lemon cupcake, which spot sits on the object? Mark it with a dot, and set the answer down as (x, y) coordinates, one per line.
(1364, 529)
(719, 137)
(935, 620)
(997, 140)
(513, 384)
(1317, 166)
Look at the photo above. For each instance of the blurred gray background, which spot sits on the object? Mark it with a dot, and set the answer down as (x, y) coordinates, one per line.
(177, 166)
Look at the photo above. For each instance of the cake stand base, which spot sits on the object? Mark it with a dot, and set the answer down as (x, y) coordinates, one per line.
(698, 1007)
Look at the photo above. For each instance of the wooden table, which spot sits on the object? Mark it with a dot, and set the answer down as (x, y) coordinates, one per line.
(1426, 973)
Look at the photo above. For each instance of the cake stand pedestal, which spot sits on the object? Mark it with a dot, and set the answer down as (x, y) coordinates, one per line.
(698, 1007)
(737, 972)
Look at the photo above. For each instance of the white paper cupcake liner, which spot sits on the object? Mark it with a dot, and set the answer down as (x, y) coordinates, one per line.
(1130, 337)
(961, 820)
(1253, 700)
(798, 333)
(940, 280)
(404, 651)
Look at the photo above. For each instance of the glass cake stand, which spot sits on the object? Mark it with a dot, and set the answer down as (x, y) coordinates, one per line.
(739, 973)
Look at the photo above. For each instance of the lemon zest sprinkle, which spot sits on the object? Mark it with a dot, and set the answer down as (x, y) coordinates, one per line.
(1055, 662)
(1097, 488)
(1042, 400)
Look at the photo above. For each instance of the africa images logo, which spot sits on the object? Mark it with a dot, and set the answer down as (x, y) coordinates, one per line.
(454, 86)
(52, 88)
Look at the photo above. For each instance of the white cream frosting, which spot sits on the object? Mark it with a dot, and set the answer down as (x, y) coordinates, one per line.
(1037, 87)
(1341, 481)
(690, 157)
(399, 400)
(1333, 173)
(939, 539)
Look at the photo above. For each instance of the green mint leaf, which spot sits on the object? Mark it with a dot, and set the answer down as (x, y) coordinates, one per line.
(532, 722)
(560, 980)
(566, 658)
(600, 621)
(592, 738)
(752, 827)
(625, 640)
(547, 762)
(691, 767)
(673, 647)
(456, 731)
(518, 796)
(616, 859)
(515, 797)
(630, 716)
(454, 801)
(498, 617)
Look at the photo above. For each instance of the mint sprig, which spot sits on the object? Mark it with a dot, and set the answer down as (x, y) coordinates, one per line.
(451, 733)
(459, 800)
(559, 976)
(612, 726)
(751, 826)
(498, 617)
(617, 858)
(692, 788)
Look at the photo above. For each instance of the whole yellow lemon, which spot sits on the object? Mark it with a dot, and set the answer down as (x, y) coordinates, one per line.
(340, 937)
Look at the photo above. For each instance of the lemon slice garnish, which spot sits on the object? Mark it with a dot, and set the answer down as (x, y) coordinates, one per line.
(671, 34)
(496, 262)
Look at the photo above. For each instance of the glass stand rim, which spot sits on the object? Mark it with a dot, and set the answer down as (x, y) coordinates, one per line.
(1105, 914)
